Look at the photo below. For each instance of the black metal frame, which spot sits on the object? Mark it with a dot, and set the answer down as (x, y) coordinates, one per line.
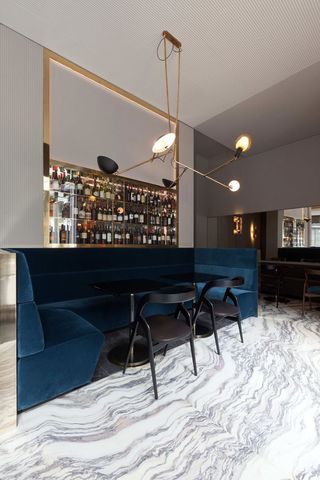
(210, 304)
(171, 295)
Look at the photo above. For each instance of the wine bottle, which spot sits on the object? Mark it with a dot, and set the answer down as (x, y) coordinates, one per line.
(109, 235)
(79, 185)
(63, 234)
(87, 189)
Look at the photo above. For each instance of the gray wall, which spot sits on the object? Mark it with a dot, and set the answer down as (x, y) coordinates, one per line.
(285, 177)
(21, 159)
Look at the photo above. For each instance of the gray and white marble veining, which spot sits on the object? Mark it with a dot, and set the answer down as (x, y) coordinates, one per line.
(252, 413)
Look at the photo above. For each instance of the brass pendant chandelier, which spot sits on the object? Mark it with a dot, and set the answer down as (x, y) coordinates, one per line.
(166, 144)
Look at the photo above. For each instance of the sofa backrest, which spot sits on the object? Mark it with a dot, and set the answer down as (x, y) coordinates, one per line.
(232, 262)
(65, 274)
(30, 339)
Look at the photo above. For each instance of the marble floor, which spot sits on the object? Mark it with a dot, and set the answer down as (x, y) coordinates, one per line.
(252, 413)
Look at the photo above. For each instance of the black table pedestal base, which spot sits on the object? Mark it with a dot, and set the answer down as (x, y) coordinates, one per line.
(202, 330)
(118, 355)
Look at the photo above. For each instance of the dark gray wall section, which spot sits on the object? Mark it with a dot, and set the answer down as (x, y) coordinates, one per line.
(286, 177)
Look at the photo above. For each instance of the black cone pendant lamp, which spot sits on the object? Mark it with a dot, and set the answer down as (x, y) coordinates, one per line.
(107, 165)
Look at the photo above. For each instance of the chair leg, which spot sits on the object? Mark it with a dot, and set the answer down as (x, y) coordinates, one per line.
(193, 354)
(152, 365)
(240, 328)
(165, 350)
(131, 343)
(303, 304)
(213, 321)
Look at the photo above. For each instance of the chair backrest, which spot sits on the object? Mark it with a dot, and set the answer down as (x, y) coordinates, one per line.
(312, 273)
(222, 283)
(169, 295)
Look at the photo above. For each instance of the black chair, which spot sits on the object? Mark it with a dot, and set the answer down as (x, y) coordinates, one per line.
(163, 330)
(219, 309)
(311, 287)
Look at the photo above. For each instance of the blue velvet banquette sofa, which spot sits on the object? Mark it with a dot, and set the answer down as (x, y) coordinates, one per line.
(61, 318)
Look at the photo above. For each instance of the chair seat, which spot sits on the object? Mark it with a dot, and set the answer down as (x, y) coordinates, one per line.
(167, 328)
(224, 309)
(314, 289)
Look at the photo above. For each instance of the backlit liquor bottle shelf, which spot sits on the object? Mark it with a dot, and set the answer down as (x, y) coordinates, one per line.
(86, 209)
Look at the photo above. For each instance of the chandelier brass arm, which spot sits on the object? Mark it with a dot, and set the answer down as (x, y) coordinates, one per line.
(202, 174)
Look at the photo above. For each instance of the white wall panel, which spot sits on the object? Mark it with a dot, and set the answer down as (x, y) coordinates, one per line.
(21, 159)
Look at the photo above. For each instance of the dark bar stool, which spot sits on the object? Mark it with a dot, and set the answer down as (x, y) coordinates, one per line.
(163, 330)
(220, 308)
(311, 287)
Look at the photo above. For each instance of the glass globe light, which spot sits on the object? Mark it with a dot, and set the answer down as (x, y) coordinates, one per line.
(244, 142)
(164, 143)
(234, 185)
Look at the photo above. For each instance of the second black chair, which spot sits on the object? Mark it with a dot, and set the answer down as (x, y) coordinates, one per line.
(220, 308)
(163, 330)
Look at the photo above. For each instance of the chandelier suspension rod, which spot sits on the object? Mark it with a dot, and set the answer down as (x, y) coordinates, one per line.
(202, 174)
(154, 156)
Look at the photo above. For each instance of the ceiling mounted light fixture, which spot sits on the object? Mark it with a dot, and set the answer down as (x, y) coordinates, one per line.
(166, 143)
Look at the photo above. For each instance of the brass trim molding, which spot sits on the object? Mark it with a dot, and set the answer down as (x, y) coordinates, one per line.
(8, 354)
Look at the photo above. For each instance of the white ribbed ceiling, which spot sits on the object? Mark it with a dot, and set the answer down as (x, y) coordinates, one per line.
(232, 49)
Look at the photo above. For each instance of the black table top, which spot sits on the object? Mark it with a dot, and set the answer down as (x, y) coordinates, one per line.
(194, 277)
(130, 286)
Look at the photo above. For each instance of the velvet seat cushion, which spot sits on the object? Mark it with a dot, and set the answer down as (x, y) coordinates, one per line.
(72, 350)
(315, 289)
(105, 312)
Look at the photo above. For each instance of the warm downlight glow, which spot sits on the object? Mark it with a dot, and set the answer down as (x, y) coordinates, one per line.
(164, 143)
(244, 142)
(234, 185)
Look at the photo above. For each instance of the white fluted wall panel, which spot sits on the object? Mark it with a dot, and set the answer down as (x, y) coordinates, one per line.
(21, 159)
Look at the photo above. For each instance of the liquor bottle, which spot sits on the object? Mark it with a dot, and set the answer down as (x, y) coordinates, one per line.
(91, 235)
(71, 183)
(103, 236)
(125, 215)
(51, 234)
(105, 215)
(97, 240)
(141, 216)
(79, 185)
(66, 210)
(169, 220)
(133, 195)
(83, 234)
(87, 189)
(163, 238)
(102, 191)
(115, 215)
(143, 197)
(54, 179)
(119, 215)
(96, 188)
(99, 213)
(109, 219)
(74, 210)
(151, 198)
(136, 216)
(63, 234)
(150, 237)
(88, 212)
(131, 216)
(127, 237)
(154, 237)
(108, 191)
(144, 236)
(94, 212)
(139, 236)
(109, 235)
(158, 220)
(78, 233)
(62, 182)
(138, 196)
(82, 211)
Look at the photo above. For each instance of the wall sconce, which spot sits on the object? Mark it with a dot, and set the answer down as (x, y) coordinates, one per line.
(237, 225)
(253, 232)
